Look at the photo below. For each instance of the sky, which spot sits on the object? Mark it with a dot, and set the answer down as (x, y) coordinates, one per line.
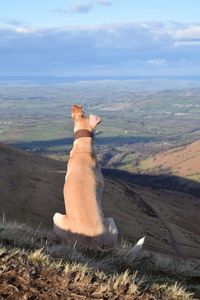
(100, 38)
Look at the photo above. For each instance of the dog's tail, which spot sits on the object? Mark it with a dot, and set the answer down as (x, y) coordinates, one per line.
(133, 252)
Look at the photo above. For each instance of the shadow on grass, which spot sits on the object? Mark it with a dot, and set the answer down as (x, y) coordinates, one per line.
(118, 140)
(164, 181)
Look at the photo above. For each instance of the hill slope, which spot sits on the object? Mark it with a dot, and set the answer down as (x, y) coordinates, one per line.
(183, 161)
(36, 265)
(31, 192)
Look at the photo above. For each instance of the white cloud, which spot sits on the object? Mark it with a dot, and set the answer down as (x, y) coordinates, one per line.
(156, 61)
(116, 48)
(190, 33)
(13, 22)
(187, 43)
(25, 30)
(103, 2)
(84, 7)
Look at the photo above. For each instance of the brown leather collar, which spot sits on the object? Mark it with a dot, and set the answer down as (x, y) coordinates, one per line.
(83, 133)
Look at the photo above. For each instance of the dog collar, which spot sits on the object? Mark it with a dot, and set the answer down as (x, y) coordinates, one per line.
(83, 133)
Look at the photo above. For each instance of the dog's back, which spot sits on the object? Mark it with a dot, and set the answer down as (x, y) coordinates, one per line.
(83, 189)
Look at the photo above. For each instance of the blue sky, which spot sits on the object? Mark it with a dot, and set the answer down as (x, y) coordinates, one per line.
(62, 12)
(100, 37)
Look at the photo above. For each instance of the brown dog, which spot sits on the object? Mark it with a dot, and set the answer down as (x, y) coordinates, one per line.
(84, 221)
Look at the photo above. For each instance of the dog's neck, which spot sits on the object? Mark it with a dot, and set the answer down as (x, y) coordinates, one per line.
(83, 133)
(83, 141)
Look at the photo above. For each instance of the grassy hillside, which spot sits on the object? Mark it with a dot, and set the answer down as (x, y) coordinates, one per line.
(30, 186)
(35, 265)
(183, 161)
(31, 192)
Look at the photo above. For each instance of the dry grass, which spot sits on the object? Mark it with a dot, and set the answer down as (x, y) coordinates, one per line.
(36, 265)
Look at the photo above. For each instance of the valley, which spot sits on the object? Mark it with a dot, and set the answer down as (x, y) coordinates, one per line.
(137, 121)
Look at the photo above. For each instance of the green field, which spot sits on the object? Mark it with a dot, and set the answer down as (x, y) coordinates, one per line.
(136, 121)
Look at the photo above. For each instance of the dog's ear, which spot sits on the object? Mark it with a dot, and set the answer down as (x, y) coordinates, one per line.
(94, 121)
(77, 112)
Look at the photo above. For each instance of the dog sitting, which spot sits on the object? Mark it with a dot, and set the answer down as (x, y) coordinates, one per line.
(84, 221)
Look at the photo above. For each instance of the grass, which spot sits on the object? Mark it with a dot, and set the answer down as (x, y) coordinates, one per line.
(36, 265)
(195, 177)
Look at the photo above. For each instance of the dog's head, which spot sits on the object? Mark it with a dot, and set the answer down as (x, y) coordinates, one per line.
(77, 112)
(81, 121)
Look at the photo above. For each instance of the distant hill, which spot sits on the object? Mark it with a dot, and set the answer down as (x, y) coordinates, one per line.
(31, 192)
(183, 161)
